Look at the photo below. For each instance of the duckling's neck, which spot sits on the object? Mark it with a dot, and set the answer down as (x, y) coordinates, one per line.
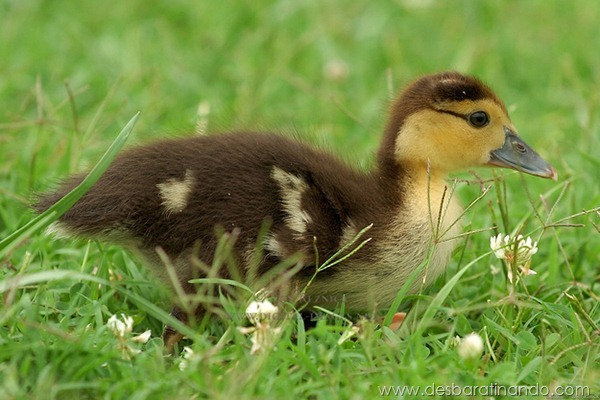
(430, 213)
(424, 194)
(427, 193)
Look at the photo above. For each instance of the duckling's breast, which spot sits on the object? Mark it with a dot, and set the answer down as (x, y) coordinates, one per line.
(425, 243)
(417, 236)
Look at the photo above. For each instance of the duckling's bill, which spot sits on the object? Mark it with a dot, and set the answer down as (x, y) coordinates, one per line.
(516, 154)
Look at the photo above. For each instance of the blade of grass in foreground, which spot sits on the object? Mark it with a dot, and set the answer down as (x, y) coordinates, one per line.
(437, 301)
(221, 281)
(53, 213)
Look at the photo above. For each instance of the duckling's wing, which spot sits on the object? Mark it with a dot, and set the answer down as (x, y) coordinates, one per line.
(309, 221)
(177, 194)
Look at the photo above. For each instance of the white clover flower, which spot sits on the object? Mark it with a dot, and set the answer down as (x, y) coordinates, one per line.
(517, 252)
(261, 314)
(258, 312)
(188, 355)
(499, 245)
(470, 347)
(527, 271)
(120, 327)
(142, 337)
(526, 248)
(262, 338)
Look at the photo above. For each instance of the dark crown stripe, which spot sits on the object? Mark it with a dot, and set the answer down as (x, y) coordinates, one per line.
(459, 115)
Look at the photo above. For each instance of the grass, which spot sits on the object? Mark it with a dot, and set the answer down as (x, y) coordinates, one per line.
(75, 73)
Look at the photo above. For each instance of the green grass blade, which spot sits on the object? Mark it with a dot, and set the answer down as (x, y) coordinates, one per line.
(334, 258)
(403, 292)
(437, 301)
(221, 281)
(53, 213)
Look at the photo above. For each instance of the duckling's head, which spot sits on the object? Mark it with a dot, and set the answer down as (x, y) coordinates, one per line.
(448, 122)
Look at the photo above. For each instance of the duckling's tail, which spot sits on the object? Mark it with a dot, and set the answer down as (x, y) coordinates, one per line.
(43, 201)
(82, 220)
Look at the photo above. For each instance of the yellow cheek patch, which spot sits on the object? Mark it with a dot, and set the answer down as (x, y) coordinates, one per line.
(448, 142)
(431, 137)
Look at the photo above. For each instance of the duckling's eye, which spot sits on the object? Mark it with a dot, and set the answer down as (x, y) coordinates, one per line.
(478, 119)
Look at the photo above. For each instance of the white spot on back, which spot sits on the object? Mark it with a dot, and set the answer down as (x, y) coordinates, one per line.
(292, 188)
(273, 246)
(175, 193)
(115, 233)
(58, 230)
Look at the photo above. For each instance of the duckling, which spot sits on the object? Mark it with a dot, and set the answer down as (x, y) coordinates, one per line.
(173, 194)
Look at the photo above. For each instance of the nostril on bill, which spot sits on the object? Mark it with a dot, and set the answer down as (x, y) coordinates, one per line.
(519, 147)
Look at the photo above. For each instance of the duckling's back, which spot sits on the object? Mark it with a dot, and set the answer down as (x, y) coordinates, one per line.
(174, 193)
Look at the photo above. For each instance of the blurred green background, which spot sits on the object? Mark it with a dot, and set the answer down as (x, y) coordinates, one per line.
(264, 64)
